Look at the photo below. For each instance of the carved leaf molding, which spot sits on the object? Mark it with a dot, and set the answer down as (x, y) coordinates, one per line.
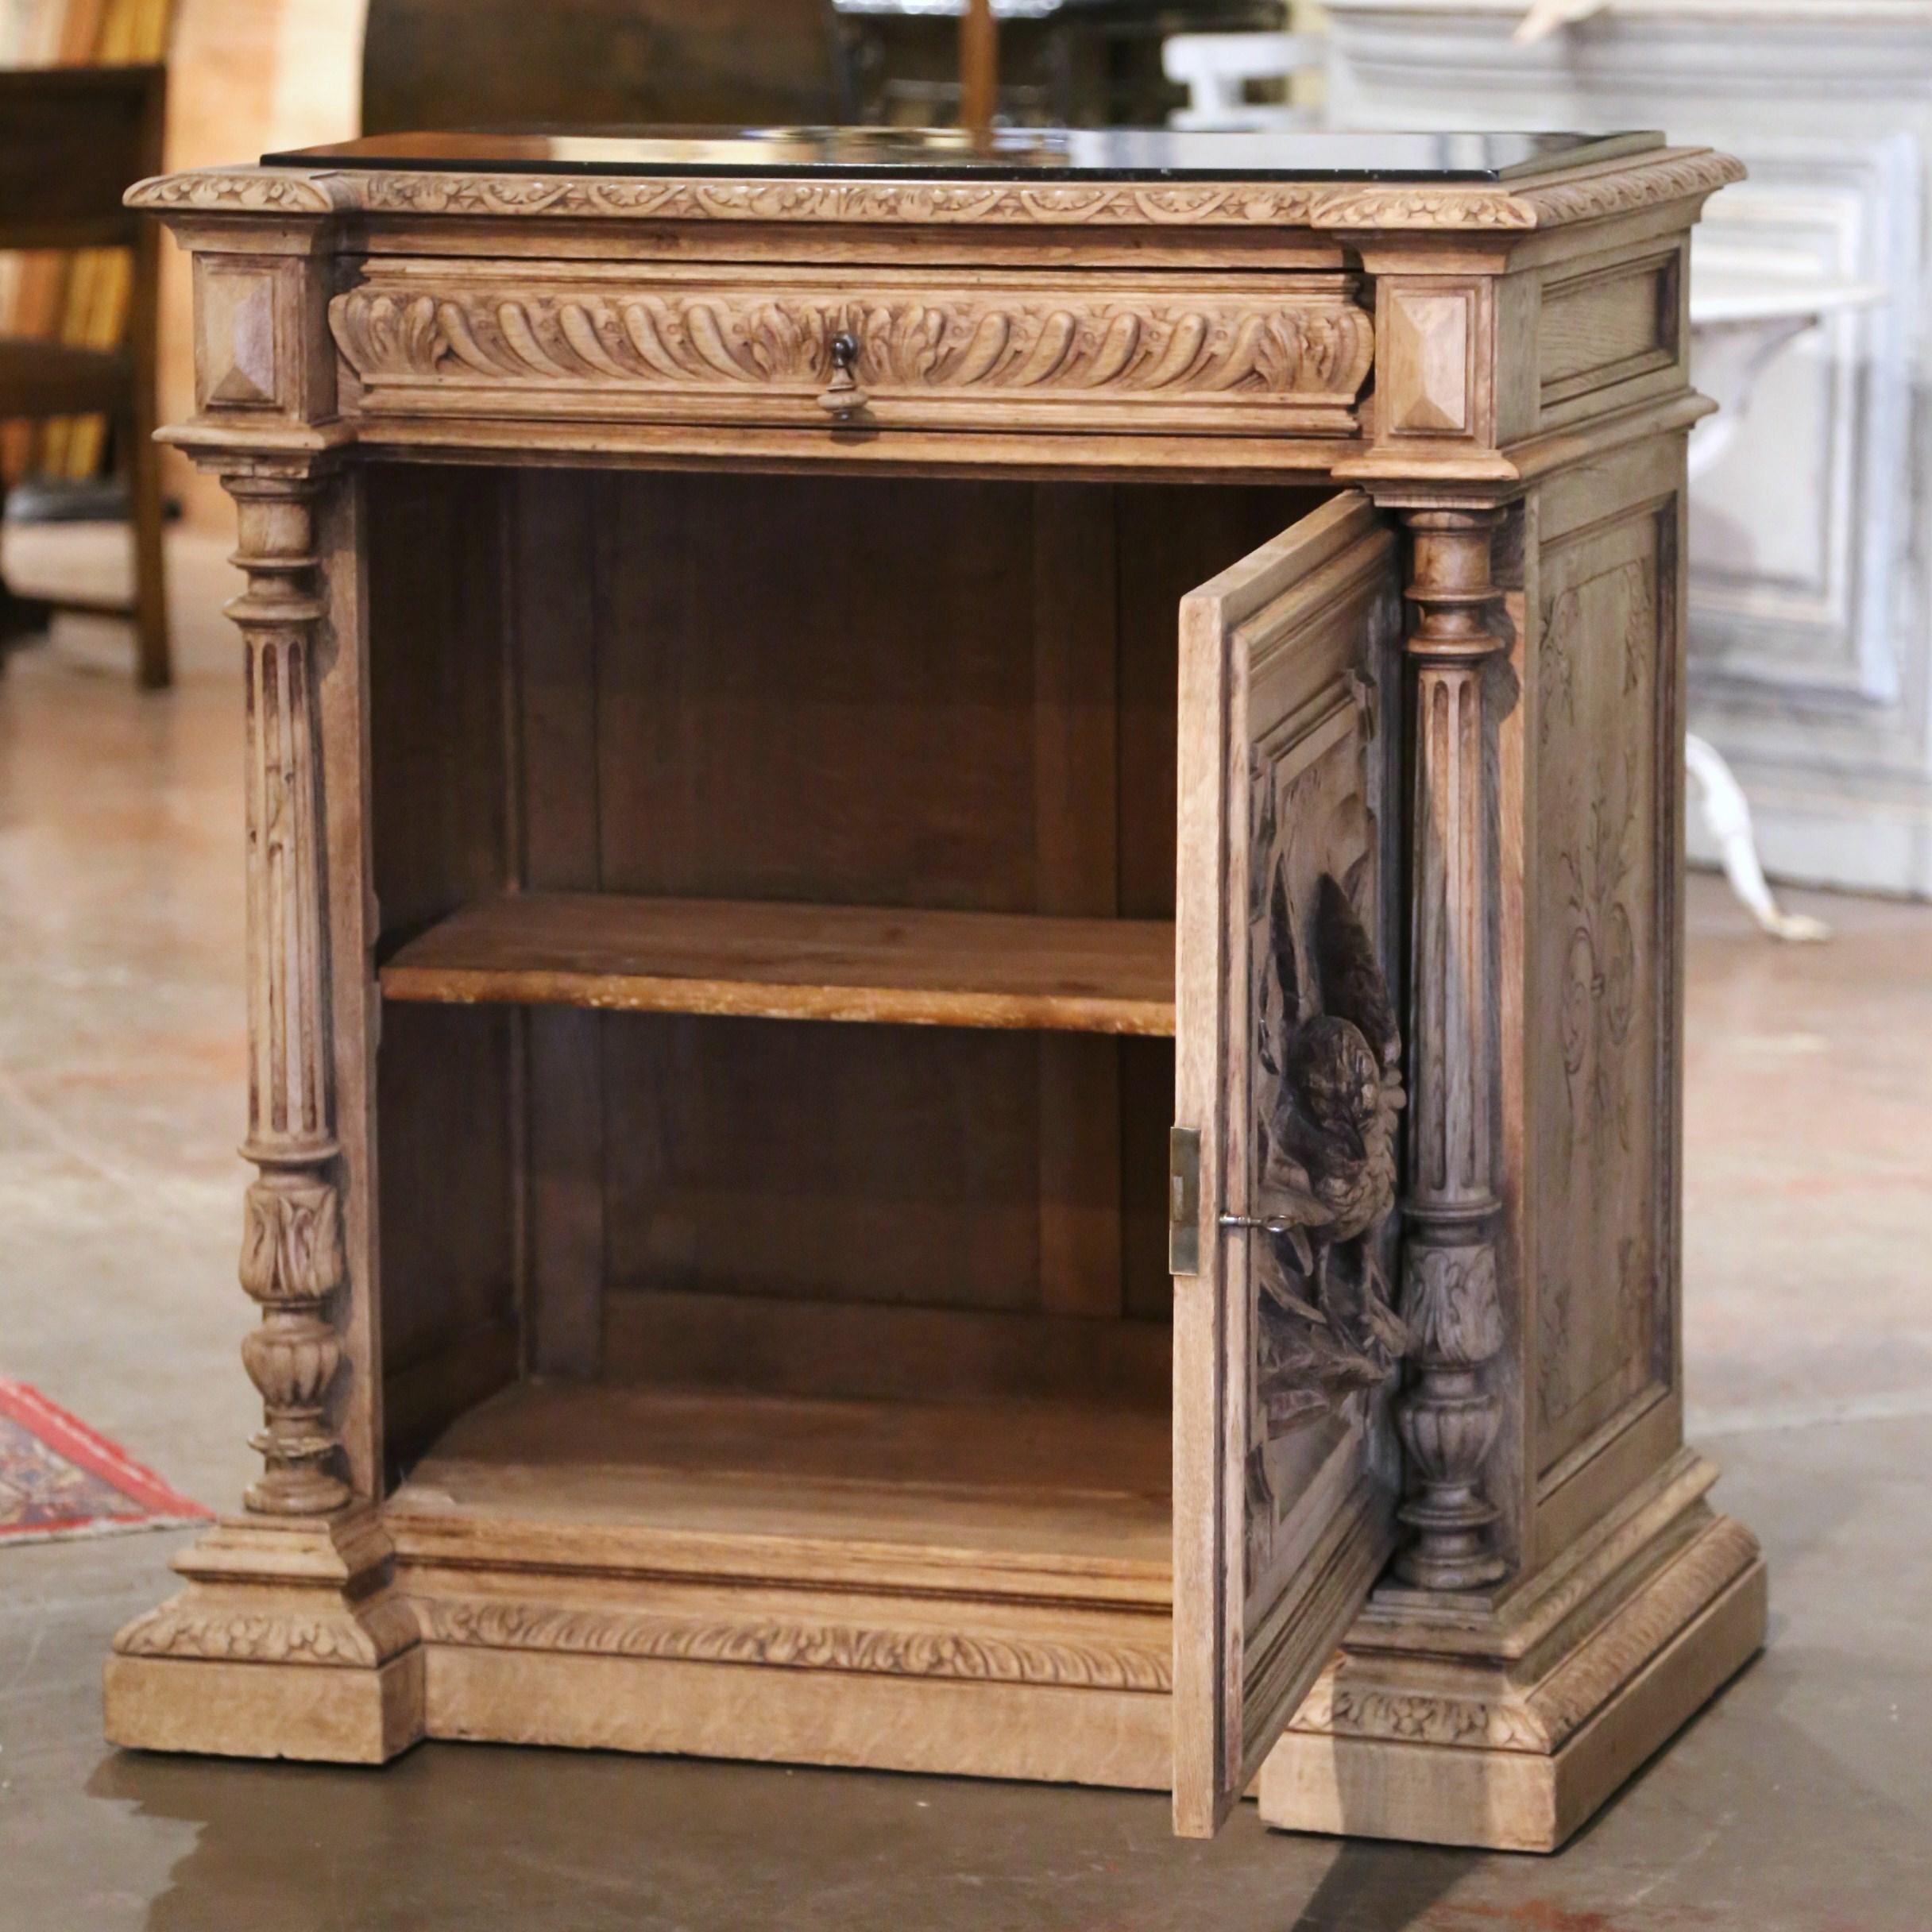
(1280, 350)
(1642, 181)
(1346, 1709)
(797, 1644)
(292, 1248)
(1451, 1304)
(189, 1626)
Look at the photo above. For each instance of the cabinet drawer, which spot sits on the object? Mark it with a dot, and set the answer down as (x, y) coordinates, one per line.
(1249, 354)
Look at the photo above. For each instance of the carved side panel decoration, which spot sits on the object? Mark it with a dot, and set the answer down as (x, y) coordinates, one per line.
(1292, 351)
(1325, 1099)
(1605, 791)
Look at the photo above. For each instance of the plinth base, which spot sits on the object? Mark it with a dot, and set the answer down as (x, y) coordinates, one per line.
(291, 1641)
(1507, 1729)
(289, 1710)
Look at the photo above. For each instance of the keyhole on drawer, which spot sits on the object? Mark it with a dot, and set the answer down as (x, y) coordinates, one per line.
(842, 396)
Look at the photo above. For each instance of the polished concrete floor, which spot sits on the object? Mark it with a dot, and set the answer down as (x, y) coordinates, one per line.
(1800, 1802)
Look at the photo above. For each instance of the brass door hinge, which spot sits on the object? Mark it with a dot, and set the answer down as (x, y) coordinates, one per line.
(1184, 1205)
(1183, 1200)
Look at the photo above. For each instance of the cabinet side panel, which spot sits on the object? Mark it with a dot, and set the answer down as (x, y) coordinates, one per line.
(355, 1018)
(436, 748)
(440, 835)
(444, 1097)
(551, 560)
(1603, 956)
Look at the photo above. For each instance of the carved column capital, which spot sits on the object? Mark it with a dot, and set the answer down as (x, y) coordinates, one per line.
(292, 1254)
(1448, 1419)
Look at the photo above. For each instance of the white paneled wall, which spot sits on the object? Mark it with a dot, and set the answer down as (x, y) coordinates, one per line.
(1811, 638)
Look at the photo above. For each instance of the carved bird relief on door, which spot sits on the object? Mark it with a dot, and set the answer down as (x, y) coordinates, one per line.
(1326, 1141)
(1326, 1099)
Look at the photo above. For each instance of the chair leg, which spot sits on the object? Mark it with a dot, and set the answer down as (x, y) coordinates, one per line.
(21, 618)
(154, 664)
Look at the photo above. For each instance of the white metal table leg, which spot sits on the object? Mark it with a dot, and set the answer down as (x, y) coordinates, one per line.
(1729, 816)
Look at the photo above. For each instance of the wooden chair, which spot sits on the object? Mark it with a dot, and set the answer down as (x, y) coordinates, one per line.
(581, 63)
(73, 139)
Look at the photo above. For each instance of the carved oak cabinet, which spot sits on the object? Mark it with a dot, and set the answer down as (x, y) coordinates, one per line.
(964, 964)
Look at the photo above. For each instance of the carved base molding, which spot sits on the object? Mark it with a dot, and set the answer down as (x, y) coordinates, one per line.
(1507, 1727)
(1049, 1733)
(291, 1640)
(818, 1639)
(612, 1650)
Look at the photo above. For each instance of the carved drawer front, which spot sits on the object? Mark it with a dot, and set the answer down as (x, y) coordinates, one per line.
(1260, 354)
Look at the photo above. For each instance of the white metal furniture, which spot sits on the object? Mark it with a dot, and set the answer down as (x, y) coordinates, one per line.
(1217, 69)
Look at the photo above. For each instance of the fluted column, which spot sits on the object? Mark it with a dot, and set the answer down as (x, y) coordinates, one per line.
(291, 1250)
(1447, 1417)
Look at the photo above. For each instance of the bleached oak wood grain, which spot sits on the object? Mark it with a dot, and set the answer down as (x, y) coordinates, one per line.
(803, 1392)
(912, 967)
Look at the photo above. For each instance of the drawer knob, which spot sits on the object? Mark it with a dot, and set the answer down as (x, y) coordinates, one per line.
(842, 396)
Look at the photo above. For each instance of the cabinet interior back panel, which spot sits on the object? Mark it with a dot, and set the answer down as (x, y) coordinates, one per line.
(925, 692)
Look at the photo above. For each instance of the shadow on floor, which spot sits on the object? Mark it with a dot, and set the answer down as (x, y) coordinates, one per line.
(456, 1836)
(1380, 1888)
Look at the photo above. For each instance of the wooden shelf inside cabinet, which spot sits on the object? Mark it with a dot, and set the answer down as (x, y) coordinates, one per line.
(1037, 1499)
(770, 960)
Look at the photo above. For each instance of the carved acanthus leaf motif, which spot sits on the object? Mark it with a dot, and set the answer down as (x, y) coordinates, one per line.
(1345, 1708)
(796, 1644)
(250, 191)
(1449, 1300)
(291, 1245)
(190, 1626)
(1280, 350)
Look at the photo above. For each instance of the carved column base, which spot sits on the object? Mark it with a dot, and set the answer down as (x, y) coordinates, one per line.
(1505, 1725)
(291, 1640)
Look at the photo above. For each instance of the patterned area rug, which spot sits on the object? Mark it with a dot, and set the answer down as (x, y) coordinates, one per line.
(58, 1478)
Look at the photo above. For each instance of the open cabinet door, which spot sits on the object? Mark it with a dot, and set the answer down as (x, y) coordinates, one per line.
(1288, 1090)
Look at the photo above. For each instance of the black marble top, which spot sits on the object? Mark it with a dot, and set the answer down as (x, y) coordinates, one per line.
(1008, 154)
